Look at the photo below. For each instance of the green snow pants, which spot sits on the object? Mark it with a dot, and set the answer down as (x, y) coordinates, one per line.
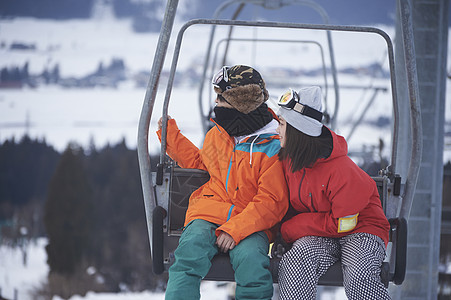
(193, 260)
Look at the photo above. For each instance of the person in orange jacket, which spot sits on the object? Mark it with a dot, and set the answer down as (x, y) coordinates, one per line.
(239, 208)
(336, 211)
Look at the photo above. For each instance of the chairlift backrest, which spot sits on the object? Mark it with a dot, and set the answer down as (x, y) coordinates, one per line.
(173, 195)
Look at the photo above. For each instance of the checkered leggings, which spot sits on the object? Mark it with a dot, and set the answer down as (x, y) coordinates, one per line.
(361, 255)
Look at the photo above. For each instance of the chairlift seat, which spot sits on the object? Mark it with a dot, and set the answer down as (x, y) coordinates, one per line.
(169, 217)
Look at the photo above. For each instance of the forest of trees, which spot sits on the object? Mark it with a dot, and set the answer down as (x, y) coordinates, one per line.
(89, 205)
(14, 75)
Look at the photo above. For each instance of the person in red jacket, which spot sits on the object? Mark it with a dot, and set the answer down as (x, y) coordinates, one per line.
(238, 210)
(335, 211)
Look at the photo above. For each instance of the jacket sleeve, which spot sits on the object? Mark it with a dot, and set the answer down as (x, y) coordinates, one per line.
(180, 149)
(304, 224)
(267, 207)
(350, 190)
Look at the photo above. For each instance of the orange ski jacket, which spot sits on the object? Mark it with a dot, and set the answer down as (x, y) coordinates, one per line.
(247, 191)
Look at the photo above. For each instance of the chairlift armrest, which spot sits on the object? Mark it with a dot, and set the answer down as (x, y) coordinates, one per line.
(397, 185)
(398, 229)
(159, 179)
(158, 214)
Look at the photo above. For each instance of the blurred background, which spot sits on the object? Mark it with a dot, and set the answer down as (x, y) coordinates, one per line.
(73, 76)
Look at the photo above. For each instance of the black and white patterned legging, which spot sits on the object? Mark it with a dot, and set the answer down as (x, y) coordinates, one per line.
(361, 256)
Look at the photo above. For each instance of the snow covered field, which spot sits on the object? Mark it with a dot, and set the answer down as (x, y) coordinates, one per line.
(106, 115)
(103, 115)
(22, 269)
(19, 280)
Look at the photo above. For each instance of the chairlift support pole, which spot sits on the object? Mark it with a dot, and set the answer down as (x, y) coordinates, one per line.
(150, 201)
(415, 110)
(226, 50)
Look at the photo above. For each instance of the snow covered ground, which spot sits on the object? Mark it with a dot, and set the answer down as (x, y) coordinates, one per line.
(19, 279)
(22, 269)
(19, 276)
(106, 115)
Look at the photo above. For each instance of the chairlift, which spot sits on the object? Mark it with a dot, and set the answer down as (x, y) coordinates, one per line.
(166, 191)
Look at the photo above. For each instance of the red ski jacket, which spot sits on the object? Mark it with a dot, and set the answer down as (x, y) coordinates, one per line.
(333, 188)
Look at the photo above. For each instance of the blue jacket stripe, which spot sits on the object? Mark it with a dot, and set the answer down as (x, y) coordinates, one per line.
(270, 148)
(228, 171)
(230, 212)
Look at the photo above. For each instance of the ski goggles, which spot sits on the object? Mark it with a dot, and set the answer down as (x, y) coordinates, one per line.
(221, 79)
(290, 100)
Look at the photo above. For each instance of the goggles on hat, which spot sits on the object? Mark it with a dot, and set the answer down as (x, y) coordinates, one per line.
(221, 79)
(290, 100)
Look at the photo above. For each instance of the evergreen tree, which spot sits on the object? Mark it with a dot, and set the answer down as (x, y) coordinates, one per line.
(100, 70)
(68, 214)
(4, 74)
(122, 246)
(46, 76)
(24, 73)
(15, 74)
(56, 74)
(25, 170)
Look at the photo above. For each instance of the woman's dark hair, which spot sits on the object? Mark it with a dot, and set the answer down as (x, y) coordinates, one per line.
(304, 150)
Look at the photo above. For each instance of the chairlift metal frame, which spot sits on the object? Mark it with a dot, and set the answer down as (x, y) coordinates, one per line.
(293, 41)
(156, 187)
(269, 4)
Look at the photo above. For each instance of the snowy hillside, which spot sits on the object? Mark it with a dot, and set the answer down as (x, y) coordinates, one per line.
(104, 115)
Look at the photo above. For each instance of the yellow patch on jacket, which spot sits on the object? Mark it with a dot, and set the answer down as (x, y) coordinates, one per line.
(347, 223)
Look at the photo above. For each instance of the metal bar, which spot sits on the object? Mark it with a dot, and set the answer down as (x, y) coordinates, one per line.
(326, 87)
(146, 112)
(218, 11)
(272, 5)
(333, 66)
(293, 26)
(235, 15)
(415, 109)
(362, 115)
(207, 59)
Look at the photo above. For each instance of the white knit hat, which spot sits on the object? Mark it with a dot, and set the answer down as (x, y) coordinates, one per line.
(310, 96)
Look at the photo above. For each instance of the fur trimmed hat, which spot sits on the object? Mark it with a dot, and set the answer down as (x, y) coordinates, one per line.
(242, 87)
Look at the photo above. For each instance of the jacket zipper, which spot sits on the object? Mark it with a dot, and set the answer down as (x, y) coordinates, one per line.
(311, 202)
(230, 168)
(299, 191)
